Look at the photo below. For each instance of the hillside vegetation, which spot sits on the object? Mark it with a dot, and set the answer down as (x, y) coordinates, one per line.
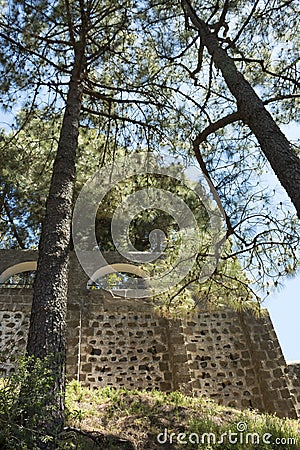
(155, 420)
(116, 419)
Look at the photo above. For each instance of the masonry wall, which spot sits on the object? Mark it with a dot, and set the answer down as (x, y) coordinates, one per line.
(231, 357)
(294, 383)
(14, 323)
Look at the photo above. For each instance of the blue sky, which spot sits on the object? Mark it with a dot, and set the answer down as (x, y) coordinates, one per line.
(284, 306)
(284, 309)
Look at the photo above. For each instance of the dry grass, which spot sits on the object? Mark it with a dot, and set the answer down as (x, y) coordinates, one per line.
(137, 418)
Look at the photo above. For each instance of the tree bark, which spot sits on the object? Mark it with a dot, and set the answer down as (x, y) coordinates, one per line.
(273, 142)
(47, 331)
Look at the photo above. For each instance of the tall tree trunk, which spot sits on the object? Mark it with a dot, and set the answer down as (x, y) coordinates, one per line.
(47, 332)
(273, 142)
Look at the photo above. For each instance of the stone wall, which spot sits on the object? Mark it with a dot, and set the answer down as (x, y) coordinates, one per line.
(14, 322)
(231, 357)
(294, 383)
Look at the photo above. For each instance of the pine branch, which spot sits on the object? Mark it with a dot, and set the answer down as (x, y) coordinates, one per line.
(27, 51)
(12, 225)
(215, 126)
(212, 128)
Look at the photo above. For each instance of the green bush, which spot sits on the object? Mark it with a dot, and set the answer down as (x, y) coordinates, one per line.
(24, 405)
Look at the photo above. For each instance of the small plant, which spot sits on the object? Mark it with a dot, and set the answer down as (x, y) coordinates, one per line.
(24, 405)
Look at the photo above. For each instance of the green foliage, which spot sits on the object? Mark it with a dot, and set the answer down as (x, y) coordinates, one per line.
(141, 416)
(24, 405)
(25, 177)
(149, 219)
(25, 174)
(138, 416)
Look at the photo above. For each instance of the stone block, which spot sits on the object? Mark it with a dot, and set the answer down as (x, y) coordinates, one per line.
(86, 368)
(165, 386)
(277, 373)
(180, 358)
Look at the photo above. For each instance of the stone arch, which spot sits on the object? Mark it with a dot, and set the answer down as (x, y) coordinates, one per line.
(25, 266)
(117, 268)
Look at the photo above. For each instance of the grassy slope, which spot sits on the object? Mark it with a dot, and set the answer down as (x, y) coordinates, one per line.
(138, 417)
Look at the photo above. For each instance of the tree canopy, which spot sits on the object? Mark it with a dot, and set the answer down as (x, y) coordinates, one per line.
(155, 83)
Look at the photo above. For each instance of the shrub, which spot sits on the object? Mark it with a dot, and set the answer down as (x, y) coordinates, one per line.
(24, 405)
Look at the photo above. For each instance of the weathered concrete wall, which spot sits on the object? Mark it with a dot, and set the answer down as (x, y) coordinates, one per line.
(231, 357)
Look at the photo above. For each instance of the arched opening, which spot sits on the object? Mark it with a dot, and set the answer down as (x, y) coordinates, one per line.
(118, 278)
(19, 275)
